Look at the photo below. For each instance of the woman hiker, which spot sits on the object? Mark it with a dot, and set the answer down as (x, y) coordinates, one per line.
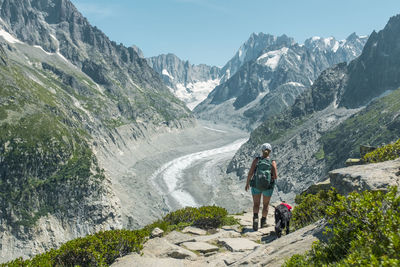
(261, 178)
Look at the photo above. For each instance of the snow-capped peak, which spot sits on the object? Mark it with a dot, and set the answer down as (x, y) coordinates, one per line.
(271, 58)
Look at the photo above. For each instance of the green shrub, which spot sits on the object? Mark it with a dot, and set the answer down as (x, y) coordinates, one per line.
(312, 207)
(203, 217)
(388, 152)
(102, 248)
(364, 230)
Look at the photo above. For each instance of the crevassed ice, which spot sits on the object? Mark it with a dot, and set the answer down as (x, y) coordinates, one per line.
(194, 93)
(172, 172)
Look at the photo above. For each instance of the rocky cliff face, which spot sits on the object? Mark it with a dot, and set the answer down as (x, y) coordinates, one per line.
(266, 84)
(58, 27)
(377, 69)
(317, 133)
(190, 83)
(65, 91)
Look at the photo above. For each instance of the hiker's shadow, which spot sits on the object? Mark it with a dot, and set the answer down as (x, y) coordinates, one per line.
(269, 238)
(246, 230)
(265, 238)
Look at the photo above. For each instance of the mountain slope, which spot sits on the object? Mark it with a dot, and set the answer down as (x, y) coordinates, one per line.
(58, 27)
(381, 52)
(269, 83)
(317, 133)
(72, 101)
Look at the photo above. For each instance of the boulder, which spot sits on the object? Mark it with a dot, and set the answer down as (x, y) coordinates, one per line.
(194, 230)
(161, 248)
(177, 238)
(157, 232)
(374, 176)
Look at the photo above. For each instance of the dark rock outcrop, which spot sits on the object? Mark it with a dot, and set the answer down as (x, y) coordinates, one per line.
(377, 69)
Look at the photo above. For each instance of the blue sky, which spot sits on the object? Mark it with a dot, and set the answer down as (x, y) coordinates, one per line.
(211, 31)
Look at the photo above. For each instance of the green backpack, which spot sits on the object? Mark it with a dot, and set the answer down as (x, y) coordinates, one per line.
(262, 176)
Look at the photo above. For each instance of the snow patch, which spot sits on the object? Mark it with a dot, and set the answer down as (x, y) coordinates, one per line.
(9, 38)
(294, 84)
(255, 102)
(335, 46)
(242, 53)
(273, 57)
(327, 41)
(166, 73)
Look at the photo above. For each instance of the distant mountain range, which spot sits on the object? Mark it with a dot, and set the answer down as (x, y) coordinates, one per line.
(348, 105)
(268, 73)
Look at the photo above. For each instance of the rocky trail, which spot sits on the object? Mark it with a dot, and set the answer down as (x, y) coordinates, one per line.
(235, 245)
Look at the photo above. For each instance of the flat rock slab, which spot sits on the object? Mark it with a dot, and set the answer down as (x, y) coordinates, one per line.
(375, 176)
(138, 261)
(238, 244)
(246, 219)
(178, 238)
(161, 248)
(215, 237)
(201, 247)
(194, 231)
(276, 252)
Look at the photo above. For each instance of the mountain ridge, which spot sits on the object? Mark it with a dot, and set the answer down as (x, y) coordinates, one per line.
(269, 83)
(320, 131)
(71, 100)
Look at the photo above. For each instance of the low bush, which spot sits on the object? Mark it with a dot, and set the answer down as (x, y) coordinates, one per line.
(388, 152)
(203, 217)
(102, 248)
(364, 230)
(312, 207)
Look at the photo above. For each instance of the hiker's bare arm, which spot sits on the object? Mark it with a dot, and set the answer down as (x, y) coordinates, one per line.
(251, 173)
(274, 173)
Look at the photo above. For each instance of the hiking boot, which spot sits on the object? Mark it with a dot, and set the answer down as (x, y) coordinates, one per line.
(255, 223)
(263, 222)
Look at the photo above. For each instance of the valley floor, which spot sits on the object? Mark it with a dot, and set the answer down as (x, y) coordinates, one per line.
(178, 168)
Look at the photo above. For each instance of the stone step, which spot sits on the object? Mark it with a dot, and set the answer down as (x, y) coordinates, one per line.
(194, 231)
(238, 244)
(201, 247)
